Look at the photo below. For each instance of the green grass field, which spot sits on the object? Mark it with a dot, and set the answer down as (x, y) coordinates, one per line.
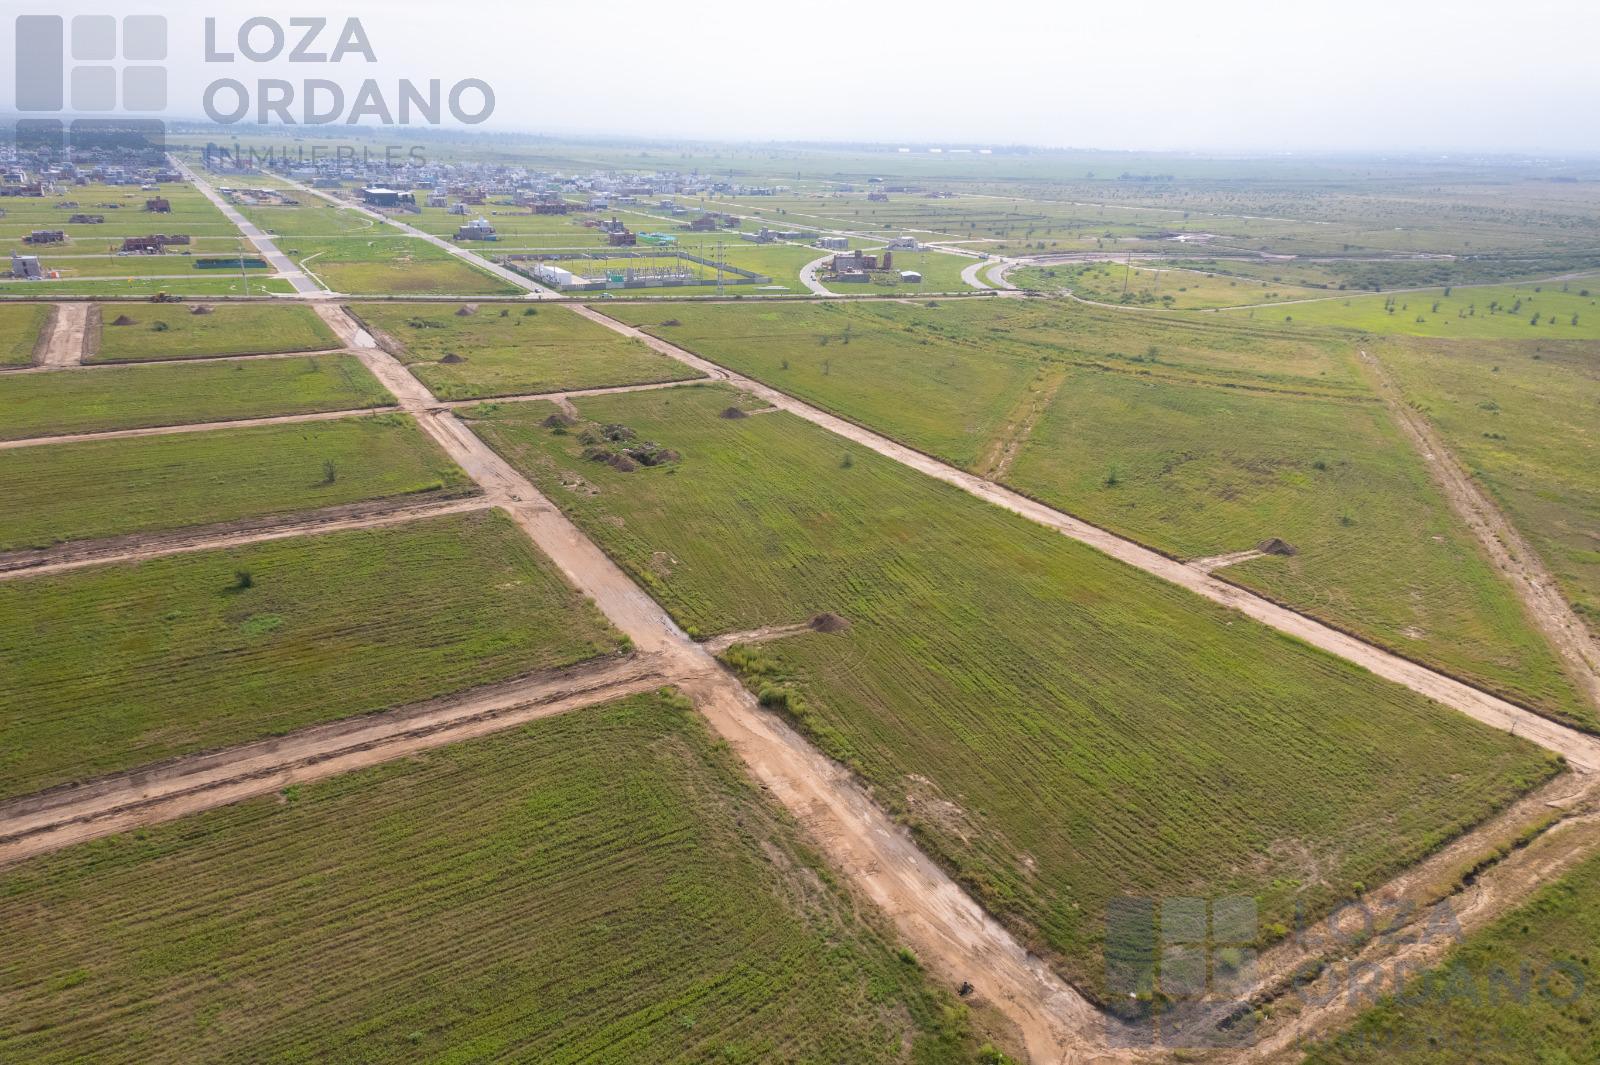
(134, 397)
(605, 886)
(1521, 416)
(1153, 286)
(391, 264)
(116, 666)
(1520, 991)
(505, 351)
(202, 284)
(225, 329)
(20, 325)
(113, 487)
(1534, 310)
(1055, 727)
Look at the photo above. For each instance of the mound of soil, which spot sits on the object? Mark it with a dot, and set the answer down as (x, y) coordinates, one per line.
(829, 623)
(670, 322)
(199, 308)
(559, 420)
(622, 464)
(1275, 546)
(451, 359)
(122, 319)
(469, 309)
(732, 413)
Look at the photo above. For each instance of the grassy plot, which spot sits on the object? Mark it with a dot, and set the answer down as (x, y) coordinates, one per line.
(1056, 727)
(133, 397)
(389, 263)
(1519, 991)
(604, 886)
(197, 330)
(199, 285)
(1153, 286)
(1523, 417)
(941, 272)
(20, 325)
(100, 488)
(461, 351)
(116, 666)
(1542, 310)
(1197, 437)
(923, 374)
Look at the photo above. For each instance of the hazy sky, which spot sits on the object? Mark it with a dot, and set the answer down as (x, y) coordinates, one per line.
(1162, 74)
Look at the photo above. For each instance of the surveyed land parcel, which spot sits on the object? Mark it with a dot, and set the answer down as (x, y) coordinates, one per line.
(188, 331)
(20, 324)
(136, 397)
(1055, 727)
(1198, 438)
(100, 488)
(120, 665)
(604, 885)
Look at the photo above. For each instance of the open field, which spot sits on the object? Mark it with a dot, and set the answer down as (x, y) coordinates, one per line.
(121, 665)
(198, 285)
(503, 351)
(1521, 416)
(601, 886)
(391, 264)
(105, 488)
(123, 209)
(1521, 990)
(1545, 310)
(1153, 286)
(131, 397)
(1193, 437)
(1056, 728)
(167, 332)
(20, 325)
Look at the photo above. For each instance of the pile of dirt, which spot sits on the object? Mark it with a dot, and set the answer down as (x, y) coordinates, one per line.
(466, 310)
(122, 319)
(670, 322)
(559, 420)
(1275, 546)
(829, 623)
(451, 359)
(199, 308)
(622, 464)
(732, 413)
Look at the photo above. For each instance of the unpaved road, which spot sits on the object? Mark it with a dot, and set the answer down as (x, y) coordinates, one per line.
(69, 326)
(141, 546)
(1581, 750)
(63, 816)
(196, 427)
(1506, 547)
(1216, 562)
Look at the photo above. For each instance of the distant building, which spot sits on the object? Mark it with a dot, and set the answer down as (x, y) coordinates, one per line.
(46, 236)
(158, 205)
(877, 197)
(86, 219)
(438, 199)
(622, 238)
(911, 277)
(552, 207)
(154, 244)
(26, 266)
(477, 229)
(833, 243)
(377, 196)
(852, 277)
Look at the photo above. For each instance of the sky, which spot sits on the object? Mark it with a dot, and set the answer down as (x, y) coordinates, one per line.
(1196, 75)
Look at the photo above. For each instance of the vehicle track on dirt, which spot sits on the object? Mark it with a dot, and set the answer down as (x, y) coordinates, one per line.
(68, 325)
(196, 427)
(1508, 550)
(138, 547)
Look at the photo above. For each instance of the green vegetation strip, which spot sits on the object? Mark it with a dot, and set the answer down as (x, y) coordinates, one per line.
(20, 325)
(114, 667)
(1058, 729)
(189, 331)
(100, 488)
(464, 351)
(136, 397)
(602, 886)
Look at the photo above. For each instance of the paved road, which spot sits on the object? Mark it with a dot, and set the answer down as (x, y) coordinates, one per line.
(303, 285)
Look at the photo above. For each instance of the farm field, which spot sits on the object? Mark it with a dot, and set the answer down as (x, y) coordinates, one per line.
(605, 885)
(20, 326)
(198, 330)
(214, 648)
(1544, 310)
(133, 397)
(511, 350)
(1520, 415)
(1195, 438)
(1153, 286)
(1055, 728)
(1518, 991)
(100, 488)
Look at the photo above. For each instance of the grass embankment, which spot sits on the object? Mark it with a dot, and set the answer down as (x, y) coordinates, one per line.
(136, 397)
(20, 325)
(602, 886)
(1057, 728)
(504, 351)
(116, 666)
(189, 331)
(98, 488)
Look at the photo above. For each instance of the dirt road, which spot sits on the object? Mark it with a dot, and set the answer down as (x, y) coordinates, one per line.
(1581, 750)
(141, 546)
(195, 427)
(69, 324)
(1507, 548)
